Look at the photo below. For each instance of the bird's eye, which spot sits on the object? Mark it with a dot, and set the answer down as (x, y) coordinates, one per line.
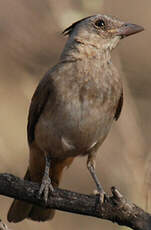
(100, 23)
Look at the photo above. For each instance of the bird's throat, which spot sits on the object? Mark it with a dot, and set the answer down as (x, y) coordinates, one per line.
(86, 50)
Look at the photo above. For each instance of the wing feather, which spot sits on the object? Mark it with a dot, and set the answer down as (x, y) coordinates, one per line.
(37, 105)
(119, 107)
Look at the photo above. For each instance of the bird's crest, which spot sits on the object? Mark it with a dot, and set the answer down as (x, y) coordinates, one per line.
(69, 29)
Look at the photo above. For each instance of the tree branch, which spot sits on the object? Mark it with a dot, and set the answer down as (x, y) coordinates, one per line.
(115, 208)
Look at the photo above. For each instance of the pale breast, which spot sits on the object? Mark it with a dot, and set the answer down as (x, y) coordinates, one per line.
(80, 118)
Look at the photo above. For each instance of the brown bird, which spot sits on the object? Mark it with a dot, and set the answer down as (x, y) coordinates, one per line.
(73, 107)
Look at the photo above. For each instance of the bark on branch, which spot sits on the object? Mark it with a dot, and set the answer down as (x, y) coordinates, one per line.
(115, 208)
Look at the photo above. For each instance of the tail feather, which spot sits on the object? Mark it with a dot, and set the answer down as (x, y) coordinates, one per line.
(41, 214)
(20, 210)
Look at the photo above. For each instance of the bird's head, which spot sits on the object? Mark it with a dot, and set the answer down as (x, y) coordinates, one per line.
(101, 31)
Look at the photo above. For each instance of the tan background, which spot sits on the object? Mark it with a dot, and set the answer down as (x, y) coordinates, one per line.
(30, 43)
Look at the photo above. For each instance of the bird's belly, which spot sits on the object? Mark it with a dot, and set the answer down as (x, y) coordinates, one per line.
(72, 133)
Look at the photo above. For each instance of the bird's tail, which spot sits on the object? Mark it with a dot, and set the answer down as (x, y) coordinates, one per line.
(20, 210)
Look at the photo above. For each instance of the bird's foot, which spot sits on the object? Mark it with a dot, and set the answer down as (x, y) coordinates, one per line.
(100, 191)
(46, 187)
(102, 196)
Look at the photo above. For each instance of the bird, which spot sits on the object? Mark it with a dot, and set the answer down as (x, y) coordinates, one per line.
(73, 108)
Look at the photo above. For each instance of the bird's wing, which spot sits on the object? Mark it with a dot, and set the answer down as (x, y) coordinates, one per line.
(37, 105)
(119, 107)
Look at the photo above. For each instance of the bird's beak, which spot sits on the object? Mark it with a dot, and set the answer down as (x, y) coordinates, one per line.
(128, 29)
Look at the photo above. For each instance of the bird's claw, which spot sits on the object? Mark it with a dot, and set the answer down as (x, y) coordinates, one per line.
(45, 187)
(101, 196)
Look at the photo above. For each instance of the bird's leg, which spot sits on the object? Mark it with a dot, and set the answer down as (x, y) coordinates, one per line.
(91, 168)
(46, 185)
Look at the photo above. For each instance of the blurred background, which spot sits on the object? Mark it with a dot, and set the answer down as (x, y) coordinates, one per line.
(30, 43)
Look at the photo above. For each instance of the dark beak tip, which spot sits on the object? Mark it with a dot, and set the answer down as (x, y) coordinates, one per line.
(138, 28)
(129, 29)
